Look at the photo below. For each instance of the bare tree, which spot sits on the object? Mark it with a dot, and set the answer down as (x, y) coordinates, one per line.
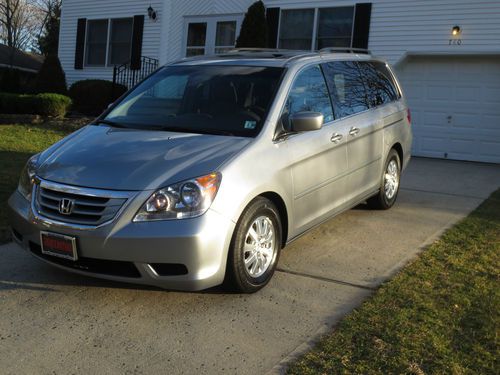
(19, 22)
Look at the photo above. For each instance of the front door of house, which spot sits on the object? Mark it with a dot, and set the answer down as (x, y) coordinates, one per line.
(211, 35)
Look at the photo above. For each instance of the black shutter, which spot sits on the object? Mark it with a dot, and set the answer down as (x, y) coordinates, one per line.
(362, 16)
(80, 42)
(135, 56)
(273, 20)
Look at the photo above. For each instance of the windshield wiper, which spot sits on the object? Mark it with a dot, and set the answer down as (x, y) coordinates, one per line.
(194, 131)
(110, 123)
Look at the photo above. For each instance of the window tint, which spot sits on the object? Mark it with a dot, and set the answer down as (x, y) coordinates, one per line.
(380, 83)
(309, 93)
(347, 88)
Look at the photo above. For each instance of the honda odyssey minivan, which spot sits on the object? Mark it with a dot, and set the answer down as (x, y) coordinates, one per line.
(204, 171)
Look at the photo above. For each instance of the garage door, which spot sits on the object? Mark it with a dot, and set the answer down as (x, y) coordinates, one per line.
(455, 106)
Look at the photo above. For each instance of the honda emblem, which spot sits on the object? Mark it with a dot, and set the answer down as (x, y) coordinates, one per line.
(66, 206)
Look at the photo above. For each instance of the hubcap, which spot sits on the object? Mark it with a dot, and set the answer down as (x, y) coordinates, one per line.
(391, 179)
(258, 252)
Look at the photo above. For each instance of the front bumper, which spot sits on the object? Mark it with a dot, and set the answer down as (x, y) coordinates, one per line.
(187, 254)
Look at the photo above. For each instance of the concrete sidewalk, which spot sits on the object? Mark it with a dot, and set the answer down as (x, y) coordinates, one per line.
(52, 321)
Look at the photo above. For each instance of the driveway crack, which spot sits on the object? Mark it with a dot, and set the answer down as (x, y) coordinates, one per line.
(327, 279)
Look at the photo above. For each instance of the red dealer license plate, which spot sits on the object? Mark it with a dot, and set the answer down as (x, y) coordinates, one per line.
(58, 245)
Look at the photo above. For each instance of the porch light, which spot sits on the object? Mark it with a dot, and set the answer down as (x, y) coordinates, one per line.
(455, 30)
(152, 13)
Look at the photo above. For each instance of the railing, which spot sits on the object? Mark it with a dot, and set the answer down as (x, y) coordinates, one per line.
(124, 75)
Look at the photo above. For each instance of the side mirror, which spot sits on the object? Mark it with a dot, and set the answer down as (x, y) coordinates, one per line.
(306, 121)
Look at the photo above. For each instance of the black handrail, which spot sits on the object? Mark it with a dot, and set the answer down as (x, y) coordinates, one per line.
(124, 75)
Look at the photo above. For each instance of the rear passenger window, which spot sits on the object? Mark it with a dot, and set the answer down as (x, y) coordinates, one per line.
(379, 81)
(309, 93)
(347, 88)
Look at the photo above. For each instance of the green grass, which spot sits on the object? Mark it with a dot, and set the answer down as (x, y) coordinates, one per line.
(17, 144)
(439, 315)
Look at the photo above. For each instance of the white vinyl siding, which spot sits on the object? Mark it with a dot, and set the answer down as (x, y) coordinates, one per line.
(72, 10)
(397, 27)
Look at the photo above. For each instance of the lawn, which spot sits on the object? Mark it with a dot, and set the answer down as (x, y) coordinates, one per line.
(439, 315)
(17, 144)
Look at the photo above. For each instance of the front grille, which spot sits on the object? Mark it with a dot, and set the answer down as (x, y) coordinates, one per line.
(101, 266)
(88, 209)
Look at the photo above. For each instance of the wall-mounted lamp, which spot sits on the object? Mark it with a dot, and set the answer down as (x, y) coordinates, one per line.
(455, 30)
(152, 13)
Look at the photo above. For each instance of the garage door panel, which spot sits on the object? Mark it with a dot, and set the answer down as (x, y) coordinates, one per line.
(438, 92)
(469, 93)
(491, 94)
(465, 120)
(455, 103)
(490, 122)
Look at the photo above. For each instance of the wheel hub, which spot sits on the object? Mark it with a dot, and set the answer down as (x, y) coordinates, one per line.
(259, 249)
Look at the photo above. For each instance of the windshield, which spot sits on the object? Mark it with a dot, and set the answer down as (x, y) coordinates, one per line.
(227, 100)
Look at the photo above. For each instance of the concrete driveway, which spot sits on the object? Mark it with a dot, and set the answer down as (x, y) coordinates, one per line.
(56, 322)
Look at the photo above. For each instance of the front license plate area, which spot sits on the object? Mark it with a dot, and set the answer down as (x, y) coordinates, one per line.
(58, 245)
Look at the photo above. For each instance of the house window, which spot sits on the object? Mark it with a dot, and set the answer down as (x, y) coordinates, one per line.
(109, 42)
(296, 28)
(196, 39)
(225, 36)
(97, 38)
(120, 41)
(317, 28)
(212, 34)
(335, 27)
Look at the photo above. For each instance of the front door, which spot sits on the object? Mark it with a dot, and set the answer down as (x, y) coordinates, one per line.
(319, 158)
(211, 35)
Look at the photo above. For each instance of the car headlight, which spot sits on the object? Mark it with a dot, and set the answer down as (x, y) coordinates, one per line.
(185, 199)
(25, 186)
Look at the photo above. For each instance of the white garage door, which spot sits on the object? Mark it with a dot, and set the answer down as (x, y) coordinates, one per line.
(455, 106)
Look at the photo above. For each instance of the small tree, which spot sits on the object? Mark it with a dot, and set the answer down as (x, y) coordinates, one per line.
(48, 42)
(51, 77)
(253, 33)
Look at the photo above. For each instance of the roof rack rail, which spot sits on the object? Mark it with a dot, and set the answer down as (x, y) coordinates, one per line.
(270, 50)
(345, 49)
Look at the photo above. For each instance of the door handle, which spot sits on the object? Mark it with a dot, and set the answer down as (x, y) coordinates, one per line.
(354, 131)
(336, 137)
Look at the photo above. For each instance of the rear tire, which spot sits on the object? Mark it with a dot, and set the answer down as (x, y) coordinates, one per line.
(389, 185)
(255, 247)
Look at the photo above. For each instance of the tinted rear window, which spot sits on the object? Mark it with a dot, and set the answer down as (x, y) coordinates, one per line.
(380, 83)
(347, 88)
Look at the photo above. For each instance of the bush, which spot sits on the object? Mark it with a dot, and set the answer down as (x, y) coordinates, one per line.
(51, 77)
(253, 33)
(92, 96)
(11, 80)
(40, 104)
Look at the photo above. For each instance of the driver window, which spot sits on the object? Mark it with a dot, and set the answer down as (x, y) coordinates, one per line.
(309, 93)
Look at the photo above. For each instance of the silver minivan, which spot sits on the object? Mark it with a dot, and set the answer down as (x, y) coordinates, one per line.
(204, 171)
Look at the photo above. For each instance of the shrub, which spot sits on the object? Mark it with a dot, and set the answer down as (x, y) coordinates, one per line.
(11, 80)
(253, 33)
(51, 77)
(92, 96)
(40, 104)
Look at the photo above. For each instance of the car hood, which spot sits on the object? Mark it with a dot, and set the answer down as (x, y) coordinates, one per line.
(129, 159)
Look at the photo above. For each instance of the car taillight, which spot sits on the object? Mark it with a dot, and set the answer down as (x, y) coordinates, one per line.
(408, 115)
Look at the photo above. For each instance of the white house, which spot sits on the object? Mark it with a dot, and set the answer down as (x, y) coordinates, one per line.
(446, 52)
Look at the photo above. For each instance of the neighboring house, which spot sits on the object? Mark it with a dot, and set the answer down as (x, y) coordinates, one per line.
(446, 53)
(13, 58)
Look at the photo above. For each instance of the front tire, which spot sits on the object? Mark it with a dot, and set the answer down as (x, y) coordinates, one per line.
(255, 247)
(389, 185)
